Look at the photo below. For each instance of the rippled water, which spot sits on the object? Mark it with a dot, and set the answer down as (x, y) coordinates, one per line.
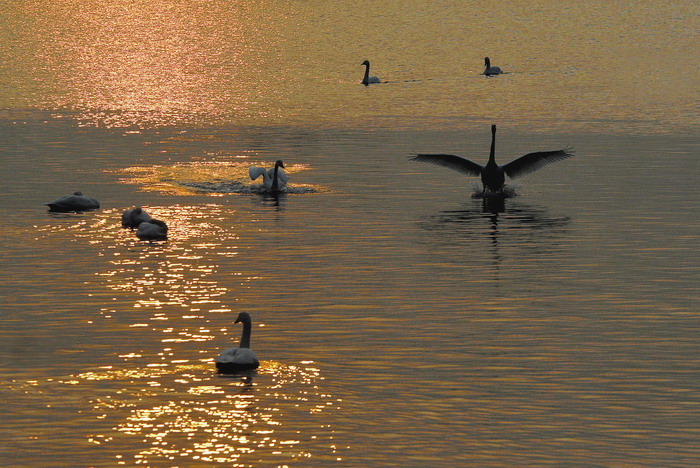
(398, 320)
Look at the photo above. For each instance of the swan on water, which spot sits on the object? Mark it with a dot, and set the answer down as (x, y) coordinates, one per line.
(241, 358)
(489, 70)
(132, 218)
(367, 80)
(493, 175)
(274, 179)
(75, 202)
(153, 229)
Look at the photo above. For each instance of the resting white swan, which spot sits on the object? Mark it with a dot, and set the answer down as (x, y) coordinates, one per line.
(75, 202)
(132, 218)
(241, 358)
(274, 180)
(489, 70)
(153, 229)
(367, 80)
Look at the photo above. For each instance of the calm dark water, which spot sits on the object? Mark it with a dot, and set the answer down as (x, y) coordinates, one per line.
(398, 319)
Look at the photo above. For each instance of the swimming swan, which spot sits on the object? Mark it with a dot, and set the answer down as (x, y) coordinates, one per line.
(489, 70)
(274, 180)
(367, 80)
(132, 218)
(75, 202)
(241, 358)
(493, 175)
(153, 229)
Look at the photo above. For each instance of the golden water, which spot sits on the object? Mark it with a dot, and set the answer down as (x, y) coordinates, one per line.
(398, 321)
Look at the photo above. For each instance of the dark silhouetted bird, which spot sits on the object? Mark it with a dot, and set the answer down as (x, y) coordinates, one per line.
(491, 70)
(493, 175)
(240, 358)
(367, 80)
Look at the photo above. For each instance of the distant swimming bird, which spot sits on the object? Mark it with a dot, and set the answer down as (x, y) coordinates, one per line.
(274, 179)
(489, 70)
(76, 202)
(493, 175)
(132, 218)
(153, 229)
(241, 358)
(367, 80)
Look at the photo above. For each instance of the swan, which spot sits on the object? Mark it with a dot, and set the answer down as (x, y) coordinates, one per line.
(241, 358)
(153, 229)
(75, 202)
(489, 70)
(274, 180)
(367, 80)
(493, 175)
(132, 218)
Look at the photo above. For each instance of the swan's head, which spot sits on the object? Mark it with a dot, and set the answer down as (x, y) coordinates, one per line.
(137, 210)
(243, 317)
(366, 62)
(80, 194)
(487, 62)
(279, 163)
(493, 129)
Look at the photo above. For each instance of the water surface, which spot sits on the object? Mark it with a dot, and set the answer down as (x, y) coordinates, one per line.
(398, 319)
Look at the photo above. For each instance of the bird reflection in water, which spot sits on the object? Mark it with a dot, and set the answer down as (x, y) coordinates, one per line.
(520, 229)
(276, 199)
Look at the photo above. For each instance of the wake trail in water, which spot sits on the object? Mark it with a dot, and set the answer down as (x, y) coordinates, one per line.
(239, 187)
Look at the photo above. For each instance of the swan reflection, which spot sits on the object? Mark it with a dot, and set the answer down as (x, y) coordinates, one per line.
(513, 229)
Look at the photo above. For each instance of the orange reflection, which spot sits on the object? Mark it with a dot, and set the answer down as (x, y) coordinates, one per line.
(153, 63)
(188, 413)
(212, 177)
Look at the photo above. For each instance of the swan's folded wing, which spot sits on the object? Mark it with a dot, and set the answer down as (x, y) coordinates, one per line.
(456, 163)
(238, 356)
(533, 161)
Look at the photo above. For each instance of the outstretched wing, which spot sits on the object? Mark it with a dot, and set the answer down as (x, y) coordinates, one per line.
(533, 161)
(254, 172)
(456, 163)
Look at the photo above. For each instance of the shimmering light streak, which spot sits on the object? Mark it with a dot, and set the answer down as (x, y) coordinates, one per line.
(155, 413)
(211, 177)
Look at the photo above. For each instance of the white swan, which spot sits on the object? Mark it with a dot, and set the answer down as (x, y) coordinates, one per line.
(75, 202)
(489, 70)
(241, 358)
(274, 180)
(153, 229)
(367, 80)
(132, 218)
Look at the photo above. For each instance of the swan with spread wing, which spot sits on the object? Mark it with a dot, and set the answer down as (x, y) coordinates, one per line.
(274, 180)
(493, 175)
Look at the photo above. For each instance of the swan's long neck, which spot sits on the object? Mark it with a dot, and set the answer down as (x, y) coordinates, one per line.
(487, 62)
(366, 78)
(492, 155)
(245, 338)
(275, 181)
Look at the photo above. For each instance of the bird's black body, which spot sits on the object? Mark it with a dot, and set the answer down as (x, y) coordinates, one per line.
(242, 358)
(492, 175)
(489, 70)
(367, 79)
(76, 202)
